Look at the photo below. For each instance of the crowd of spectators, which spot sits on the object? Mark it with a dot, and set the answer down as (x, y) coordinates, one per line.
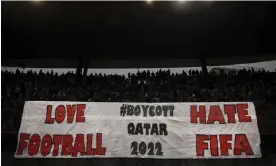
(162, 86)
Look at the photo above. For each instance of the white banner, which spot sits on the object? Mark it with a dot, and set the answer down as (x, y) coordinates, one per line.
(140, 130)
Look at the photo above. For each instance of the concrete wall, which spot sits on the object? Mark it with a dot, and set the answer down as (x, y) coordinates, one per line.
(132, 63)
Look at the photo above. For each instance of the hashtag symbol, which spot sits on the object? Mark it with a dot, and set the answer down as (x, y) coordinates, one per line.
(123, 110)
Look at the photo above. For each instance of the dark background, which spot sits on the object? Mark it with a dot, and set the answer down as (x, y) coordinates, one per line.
(137, 30)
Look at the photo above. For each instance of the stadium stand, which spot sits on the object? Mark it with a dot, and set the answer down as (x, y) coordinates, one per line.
(136, 32)
(193, 86)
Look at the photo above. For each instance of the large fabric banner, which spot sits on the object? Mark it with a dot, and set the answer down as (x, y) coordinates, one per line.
(138, 130)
